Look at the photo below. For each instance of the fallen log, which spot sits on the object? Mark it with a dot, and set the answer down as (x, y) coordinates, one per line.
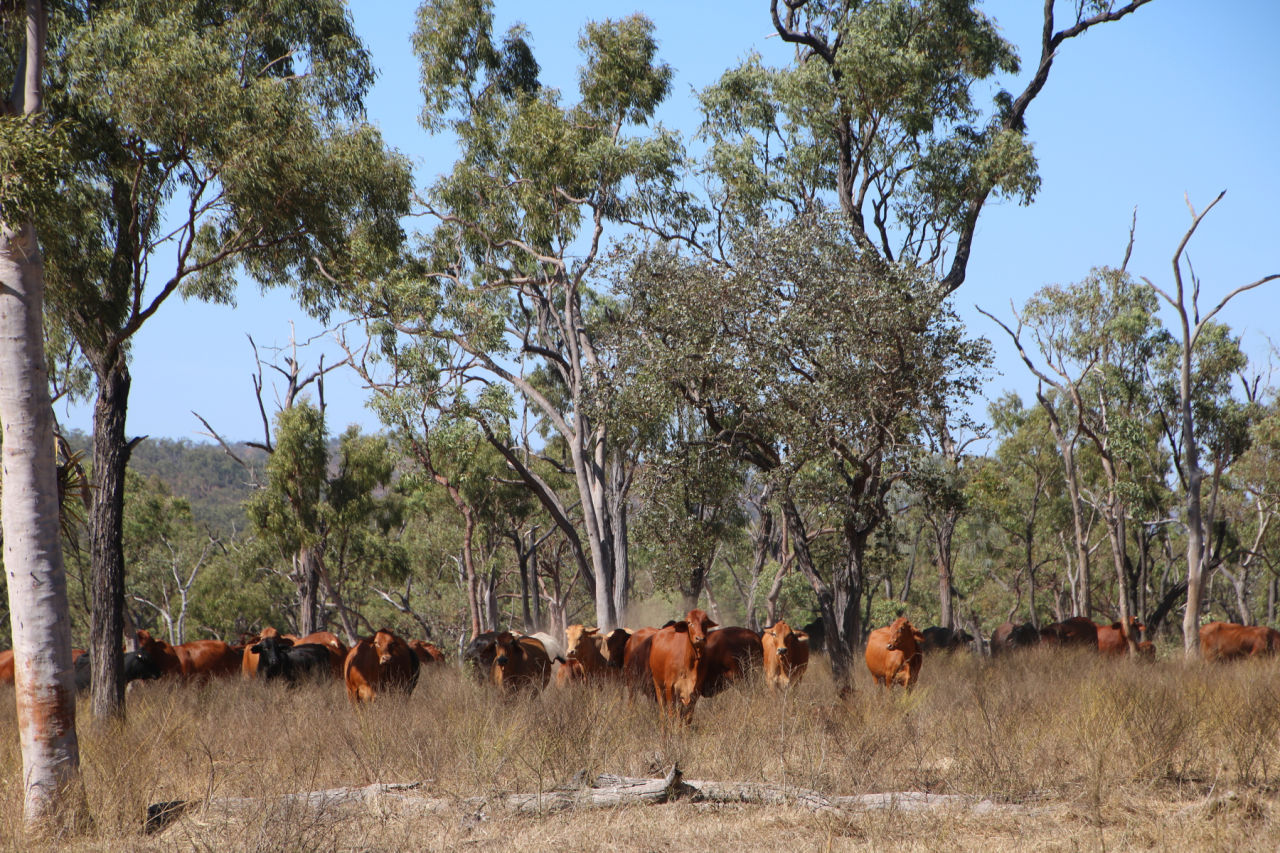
(608, 791)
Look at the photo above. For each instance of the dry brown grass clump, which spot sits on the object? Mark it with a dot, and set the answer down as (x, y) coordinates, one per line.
(1068, 749)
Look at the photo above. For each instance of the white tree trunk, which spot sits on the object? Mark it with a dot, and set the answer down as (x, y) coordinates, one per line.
(32, 549)
(40, 619)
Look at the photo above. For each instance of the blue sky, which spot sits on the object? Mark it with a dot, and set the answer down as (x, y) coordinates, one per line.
(1172, 101)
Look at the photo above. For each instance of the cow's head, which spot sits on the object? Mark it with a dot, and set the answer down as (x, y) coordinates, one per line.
(385, 644)
(780, 638)
(699, 623)
(902, 634)
(577, 637)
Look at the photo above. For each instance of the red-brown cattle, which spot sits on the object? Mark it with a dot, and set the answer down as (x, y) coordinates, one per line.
(893, 654)
(1224, 641)
(196, 659)
(519, 662)
(635, 661)
(1076, 631)
(675, 656)
(6, 667)
(583, 659)
(1008, 637)
(428, 653)
(1111, 639)
(731, 655)
(786, 655)
(569, 673)
(382, 663)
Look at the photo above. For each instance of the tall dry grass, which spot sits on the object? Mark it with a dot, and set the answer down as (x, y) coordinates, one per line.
(1085, 752)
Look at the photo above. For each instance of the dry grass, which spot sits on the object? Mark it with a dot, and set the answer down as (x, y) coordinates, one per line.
(1077, 752)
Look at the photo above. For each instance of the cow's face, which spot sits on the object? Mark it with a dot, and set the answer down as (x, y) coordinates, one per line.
(699, 624)
(384, 643)
(577, 636)
(506, 650)
(899, 631)
(780, 637)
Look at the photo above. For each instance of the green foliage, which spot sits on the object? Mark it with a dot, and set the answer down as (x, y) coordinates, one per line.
(878, 117)
(33, 161)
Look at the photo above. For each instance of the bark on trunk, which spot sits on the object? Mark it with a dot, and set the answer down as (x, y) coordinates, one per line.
(111, 452)
(38, 606)
(307, 578)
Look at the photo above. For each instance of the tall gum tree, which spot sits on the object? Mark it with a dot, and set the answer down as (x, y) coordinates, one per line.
(760, 346)
(39, 613)
(205, 140)
(1184, 297)
(504, 300)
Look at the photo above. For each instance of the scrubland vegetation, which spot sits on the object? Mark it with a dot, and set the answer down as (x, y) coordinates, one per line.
(1049, 750)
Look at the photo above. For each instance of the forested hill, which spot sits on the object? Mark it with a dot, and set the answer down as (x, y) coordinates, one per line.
(214, 483)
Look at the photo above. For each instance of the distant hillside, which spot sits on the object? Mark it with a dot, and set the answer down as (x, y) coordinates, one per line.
(215, 483)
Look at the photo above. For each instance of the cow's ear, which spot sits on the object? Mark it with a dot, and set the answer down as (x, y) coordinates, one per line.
(801, 635)
(708, 625)
(681, 627)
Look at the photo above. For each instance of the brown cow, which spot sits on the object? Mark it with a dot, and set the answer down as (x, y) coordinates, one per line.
(583, 658)
(519, 662)
(570, 672)
(893, 654)
(1008, 636)
(636, 673)
(192, 660)
(379, 664)
(428, 653)
(1111, 638)
(675, 656)
(1076, 631)
(731, 655)
(1223, 641)
(786, 655)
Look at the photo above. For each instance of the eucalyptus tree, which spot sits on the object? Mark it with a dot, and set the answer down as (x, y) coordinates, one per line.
(30, 159)
(318, 515)
(1198, 377)
(879, 116)
(204, 139)
(505, 299)
(1096, 339)
(761, 346)
(1019, 494)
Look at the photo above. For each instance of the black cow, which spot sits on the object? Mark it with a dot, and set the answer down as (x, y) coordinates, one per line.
(279, 658)
(939, 639)
(138, 666)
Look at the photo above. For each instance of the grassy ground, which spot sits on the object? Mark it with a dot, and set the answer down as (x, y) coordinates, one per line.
(1074, 753)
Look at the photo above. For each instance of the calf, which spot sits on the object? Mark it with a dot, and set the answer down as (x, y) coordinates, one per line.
(786, 655)
(280, 659)
(893, 654)
(583, 659)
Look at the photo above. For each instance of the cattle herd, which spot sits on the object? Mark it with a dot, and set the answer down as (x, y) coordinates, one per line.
(674, 664)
